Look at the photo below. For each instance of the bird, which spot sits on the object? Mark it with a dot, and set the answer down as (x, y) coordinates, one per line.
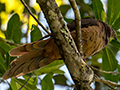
(96, 35)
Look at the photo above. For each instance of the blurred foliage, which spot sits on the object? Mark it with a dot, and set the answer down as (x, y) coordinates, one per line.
(18, 27)
(110, 61)
(35, 33)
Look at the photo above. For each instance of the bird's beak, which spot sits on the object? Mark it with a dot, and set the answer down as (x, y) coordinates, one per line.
(115, 37)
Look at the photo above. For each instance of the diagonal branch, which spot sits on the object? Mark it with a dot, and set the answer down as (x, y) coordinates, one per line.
(108, 72)
(106, 82)
(78, 27)
(30, 12)
(10, 43)
(80, 72)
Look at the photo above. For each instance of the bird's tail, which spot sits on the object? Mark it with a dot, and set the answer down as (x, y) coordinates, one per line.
(32, 56)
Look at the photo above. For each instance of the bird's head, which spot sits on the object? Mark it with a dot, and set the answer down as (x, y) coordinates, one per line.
(113, 33)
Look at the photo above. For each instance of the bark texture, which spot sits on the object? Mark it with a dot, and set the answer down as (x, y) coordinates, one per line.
(81, 73)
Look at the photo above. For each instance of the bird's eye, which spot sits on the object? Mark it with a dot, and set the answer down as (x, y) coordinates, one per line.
(112, 29)
(115, 37)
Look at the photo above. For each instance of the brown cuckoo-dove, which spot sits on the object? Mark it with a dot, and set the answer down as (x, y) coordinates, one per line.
(95, 35)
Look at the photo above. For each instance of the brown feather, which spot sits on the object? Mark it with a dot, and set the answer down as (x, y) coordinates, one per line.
(95, 35)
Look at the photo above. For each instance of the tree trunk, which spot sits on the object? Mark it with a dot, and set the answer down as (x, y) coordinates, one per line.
(80, 72)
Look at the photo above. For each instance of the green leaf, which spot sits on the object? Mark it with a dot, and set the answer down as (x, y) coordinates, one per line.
(8, 60)
(2, 7)
(36, 79)
(115, 43)
(14, 85)
(113, 10)
(28, 86)
(68, 20)
(60, 79)
(118, 68)
(13, 28)
(52, 68)
(64, 9)
(103, 15)
(109, 63)
(5, 46)
(33, 80)
(47, 83)
(98, 9)
(35, 33)
(116, 24)
(2, 63)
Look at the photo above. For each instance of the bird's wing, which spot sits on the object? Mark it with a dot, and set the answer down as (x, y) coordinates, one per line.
(31, 57)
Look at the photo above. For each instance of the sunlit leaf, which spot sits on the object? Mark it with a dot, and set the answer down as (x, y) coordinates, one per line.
(12, 5)
(2, 35)
(37, 7)
(28, 86)
(32, 81)
(36, 79)
(103, 15)
(47, 83)
(4, 17)
(32, 21)
(59, 2)
(14, 85)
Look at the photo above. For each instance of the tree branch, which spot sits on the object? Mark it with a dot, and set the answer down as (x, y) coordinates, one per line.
(106, 82)
(80, 72)
(45, 37)
(78, 27)
(30, 12)
(108, 72)
(1, 39)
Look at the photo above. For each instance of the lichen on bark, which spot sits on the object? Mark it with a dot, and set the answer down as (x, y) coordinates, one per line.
(80, 72)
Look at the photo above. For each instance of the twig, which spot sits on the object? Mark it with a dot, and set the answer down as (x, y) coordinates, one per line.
(78, 27)
(108, 72)
(30, 12)
(111, 87)
(45, 37)
(9, 42)
(8, 83)
(26, 82)
(107, 82)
